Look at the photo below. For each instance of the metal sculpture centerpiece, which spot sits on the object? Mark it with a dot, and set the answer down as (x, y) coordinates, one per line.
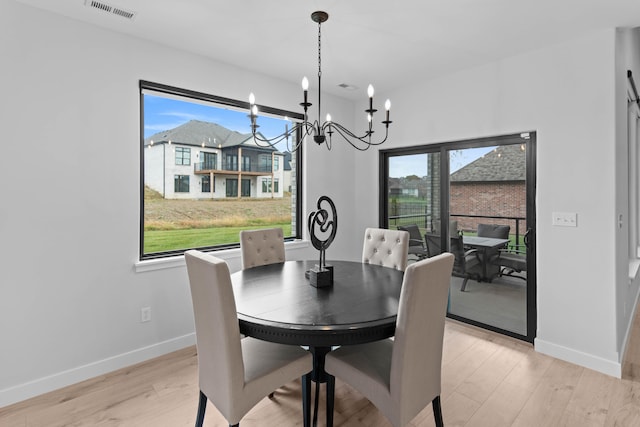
(321, 224)
(321, 131)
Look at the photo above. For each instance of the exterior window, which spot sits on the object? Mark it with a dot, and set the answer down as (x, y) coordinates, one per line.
(183, 156)
(246, 163)
(246, 188)
(232, 188)
(265, 163)
(224, 152)
(181, 183)
(275, 185)
(266, 185)
(208, 160)
(276, 164)
(206, 184)
(231, 163)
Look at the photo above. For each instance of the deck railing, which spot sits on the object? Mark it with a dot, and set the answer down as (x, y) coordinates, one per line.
(466, 222)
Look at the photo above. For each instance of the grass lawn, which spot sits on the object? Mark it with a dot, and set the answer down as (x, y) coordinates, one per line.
(171, 225)
(168, 240)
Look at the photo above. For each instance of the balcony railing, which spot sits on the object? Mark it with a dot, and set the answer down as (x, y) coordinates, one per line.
(230, 166)
(466, 222)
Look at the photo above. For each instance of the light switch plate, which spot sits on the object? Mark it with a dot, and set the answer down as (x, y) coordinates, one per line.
(565, 219)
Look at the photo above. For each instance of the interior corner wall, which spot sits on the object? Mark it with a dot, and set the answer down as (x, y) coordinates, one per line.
(566, 94)
(70, 297)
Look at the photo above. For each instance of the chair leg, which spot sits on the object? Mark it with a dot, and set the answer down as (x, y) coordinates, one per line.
(464, 284)
(437, 411)
(202, 406)
(306, 400)
(331, 392)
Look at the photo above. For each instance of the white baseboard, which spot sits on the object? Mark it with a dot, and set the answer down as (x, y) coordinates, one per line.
(43, 385)
(609, 367)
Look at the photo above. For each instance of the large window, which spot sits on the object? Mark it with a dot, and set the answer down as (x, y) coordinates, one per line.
(181, 183)
(183, 135)
(183, 156)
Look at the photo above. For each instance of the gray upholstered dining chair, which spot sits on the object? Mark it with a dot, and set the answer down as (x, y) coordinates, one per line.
(233, 373)
(401, 376)
(388, 248)
(261, 247)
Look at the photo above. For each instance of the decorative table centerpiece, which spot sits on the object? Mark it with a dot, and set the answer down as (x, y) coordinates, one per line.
(321, 224)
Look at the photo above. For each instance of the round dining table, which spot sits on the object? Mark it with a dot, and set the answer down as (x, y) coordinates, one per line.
(277, 303)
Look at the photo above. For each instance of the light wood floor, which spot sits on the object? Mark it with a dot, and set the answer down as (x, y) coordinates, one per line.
(488, 380)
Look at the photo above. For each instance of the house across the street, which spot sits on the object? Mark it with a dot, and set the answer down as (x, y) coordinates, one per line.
(203, 160)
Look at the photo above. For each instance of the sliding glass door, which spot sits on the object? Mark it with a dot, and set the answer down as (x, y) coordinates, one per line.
(475, 199)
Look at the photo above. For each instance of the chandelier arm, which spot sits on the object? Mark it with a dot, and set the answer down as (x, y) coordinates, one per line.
(350, 137)
(272, 142)
(365, 139)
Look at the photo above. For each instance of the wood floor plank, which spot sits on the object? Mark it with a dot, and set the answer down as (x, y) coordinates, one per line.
(624, 409)
(590, 401)
(481, 383)
(487, 381)
(550, 398)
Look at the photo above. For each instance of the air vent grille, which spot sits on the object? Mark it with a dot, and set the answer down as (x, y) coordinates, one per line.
(114, 10)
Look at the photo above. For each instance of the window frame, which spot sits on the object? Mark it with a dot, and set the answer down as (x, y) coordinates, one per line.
(185, 156)
(179, 180)
(146, 87)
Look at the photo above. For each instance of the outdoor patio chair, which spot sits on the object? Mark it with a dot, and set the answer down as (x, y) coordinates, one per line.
(416, 244)
(468, 264)
(513, 259)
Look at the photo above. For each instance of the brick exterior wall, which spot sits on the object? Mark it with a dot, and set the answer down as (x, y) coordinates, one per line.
(488, 198)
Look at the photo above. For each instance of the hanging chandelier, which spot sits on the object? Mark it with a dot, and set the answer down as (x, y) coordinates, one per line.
(322, 131)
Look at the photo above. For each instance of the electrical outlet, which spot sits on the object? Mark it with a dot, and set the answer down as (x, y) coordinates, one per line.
(145, 314)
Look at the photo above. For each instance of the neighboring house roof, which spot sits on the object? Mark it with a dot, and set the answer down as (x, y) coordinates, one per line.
(505, 163)
(195, 132)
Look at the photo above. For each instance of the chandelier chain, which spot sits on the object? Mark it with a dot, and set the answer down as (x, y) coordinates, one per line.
(319, 50)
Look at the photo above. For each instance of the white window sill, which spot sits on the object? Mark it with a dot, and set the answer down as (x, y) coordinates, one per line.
(226, 254)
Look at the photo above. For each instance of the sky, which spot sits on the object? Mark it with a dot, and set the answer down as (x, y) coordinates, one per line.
(161, 114)
(416, 164)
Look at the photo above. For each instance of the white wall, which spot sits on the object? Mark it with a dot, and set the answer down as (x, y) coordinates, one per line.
(70, 296)
(566, 94)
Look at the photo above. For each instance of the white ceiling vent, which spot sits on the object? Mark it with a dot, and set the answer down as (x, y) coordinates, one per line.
(114, 10)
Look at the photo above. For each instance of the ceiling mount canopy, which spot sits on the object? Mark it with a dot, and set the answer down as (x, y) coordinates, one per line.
(322, 131)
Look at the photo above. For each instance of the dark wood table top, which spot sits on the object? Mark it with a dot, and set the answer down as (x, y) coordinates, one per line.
(276, 303)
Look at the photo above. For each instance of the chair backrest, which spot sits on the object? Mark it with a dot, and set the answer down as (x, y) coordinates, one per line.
(389, 248)
(220, 363)
(415, 237)
(457, 249)
(417, 349)
(261, 247)
(494, 230)
(433, 243)
(453, 226)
